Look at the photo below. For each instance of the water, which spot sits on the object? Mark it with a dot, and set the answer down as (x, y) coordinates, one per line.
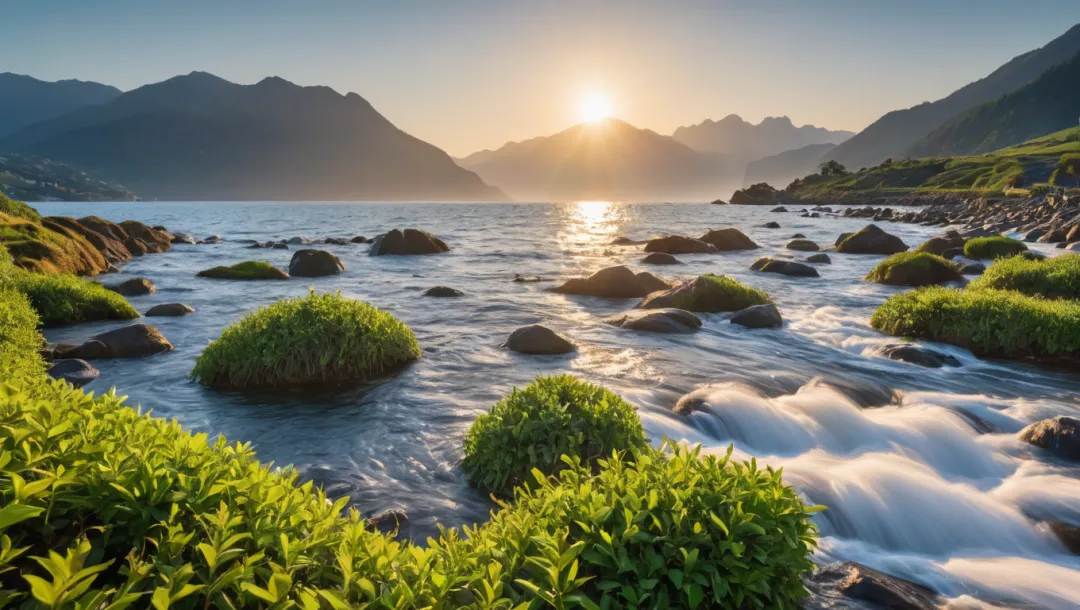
(935, 489)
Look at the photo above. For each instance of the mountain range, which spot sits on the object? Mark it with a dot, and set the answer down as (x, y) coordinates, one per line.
(739, 139)
(25, 100)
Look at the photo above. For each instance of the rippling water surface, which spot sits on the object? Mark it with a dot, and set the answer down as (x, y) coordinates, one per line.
(935, 489)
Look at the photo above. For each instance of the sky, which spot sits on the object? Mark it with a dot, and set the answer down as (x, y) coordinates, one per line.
(467, 75)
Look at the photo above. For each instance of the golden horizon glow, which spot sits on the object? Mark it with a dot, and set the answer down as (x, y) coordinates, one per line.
(595, 107)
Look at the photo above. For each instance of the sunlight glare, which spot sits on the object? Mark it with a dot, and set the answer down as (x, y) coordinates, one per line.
(595, 107)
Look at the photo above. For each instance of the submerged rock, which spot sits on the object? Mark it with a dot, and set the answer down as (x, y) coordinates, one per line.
(864, 393)
(530, 279)
(360, 239)
(871, 240)
(626, 241)
(614, 283)
(298, 240)
(90, 350)
(213, 239)
(726, 240)
(183, 238)
(661, 258)
(538, 340)
(779, 209)
(914, 354)
(1068, 534)
(134, 287)
(771, 225)
(1059, 435)
(667, 320)
(819, 258)
(443, 291)
(678, 244)
(858, 582)
(74, 371)
(803, 245)
(407, 242)
(314, 263)
(169, 310)
(758, 316)
(789, 268)
(280, 246)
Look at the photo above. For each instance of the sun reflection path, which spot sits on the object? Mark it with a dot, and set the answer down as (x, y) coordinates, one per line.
(591, 224)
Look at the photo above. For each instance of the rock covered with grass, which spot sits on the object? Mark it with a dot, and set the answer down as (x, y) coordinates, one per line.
(614, 283)
(535, 426)
(707, 293)
(247, 270)
(915, 269)
(317, 338)
(67, 299)
(1055, 278)
(871, 239)
(993, 247)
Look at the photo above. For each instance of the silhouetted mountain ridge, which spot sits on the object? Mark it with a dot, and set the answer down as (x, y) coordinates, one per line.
(25, 100)
(741, 139)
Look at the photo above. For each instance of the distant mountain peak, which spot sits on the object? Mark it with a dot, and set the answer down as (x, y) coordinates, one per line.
(743, 140)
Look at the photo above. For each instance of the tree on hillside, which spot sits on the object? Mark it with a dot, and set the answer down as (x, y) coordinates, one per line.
(832, 168)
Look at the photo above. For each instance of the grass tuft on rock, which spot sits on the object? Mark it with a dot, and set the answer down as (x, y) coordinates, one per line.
(553, 416)
(719, 293)
(915, 269)
(1055, 278)
(67, 299)
(990, 323)
(993, 247)
(318, 338)
(247, 270)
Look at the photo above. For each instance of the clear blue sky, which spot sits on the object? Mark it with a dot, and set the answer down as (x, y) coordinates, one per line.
(472, 74)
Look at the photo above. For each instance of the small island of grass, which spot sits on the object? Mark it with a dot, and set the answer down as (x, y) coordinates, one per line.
(993, 247)
(915, 269)
(67, 299)
(707, 293)
(247, 270)
(1055, 278)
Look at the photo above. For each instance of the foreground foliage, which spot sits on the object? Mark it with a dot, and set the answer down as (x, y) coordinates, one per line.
(311, 339)
(914, 269)
(247, 270)
(993, 247)
(1055, 278)
(551, 417)
(66, 299)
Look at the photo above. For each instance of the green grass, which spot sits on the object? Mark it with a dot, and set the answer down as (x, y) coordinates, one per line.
(18, 209)
(992, 323)
(533, 427)
(914, 269)
(19, 338)
(993, 247)
(1054, 278)
(248, 270)
(67, 299)
(39, 248)
(317, 338)
(719, 293)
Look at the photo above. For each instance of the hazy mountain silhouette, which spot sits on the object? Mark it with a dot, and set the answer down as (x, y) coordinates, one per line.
(780, 170)
(25, 100)
(201, 137)
(1048, 104)
(895, 132)
(737, 138)
(607, 160)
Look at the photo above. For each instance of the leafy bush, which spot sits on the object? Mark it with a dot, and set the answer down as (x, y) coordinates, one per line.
(18, 209)
(994, 323)
(914, 269)
(248, 270)
(1055, 278)
(993, 247)
(312, 339)
(551, 417)
(677, 531)
(719, 293)
(66, 299)
(19, 338)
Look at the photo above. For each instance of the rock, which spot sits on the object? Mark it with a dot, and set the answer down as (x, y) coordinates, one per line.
(613, 283)
(314, 263)
(677, 244)
(952, 253)
(719, 202)
(538, 340)
(625, 241)
(387, 521)
(757, 194)
(213, 239)
(798, 236)
(976, 232)
(280, 247)
(972, 269)
(771, 225)
(725, 240)
(360, 239)
(702, 294)
(871, 240)
(183, 238)
(803, 245)
(169, 310)
(858, 582)
(1073, 235)
(1054, 235)
(1073, 247)
(132, 342)
(530, 279)
(916, 269)
(667, 320)
(90, 350)
(1034, 235)
(819, 258)
(758, 316)
(914, 354)
(939, 245)
(335, 241)
(1068, 534)
(1059, 435)
(443, 291)
(789, 268)
(298, 240)
(843, 236)
(661, 258)
(779, 209)
(74, 371)
(410, 241)
(865, 394)
(134, 287)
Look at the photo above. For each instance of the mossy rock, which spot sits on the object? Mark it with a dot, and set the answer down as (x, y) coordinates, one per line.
(708, 293)
(1055, 278)
(248, 270)
(36, 247)
(941, 245)
(915, 269)
(993, 247)
(318, 338)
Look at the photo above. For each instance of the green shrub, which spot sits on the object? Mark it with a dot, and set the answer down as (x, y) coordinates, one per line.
(718, 293)
(19, 338)
(993, 247)
(915, 269)
(248, 270)
(1055, 278)
(66, 299)
(18, 209)
(678, 531)
(312, 339)
(533, 427)
(993, 323)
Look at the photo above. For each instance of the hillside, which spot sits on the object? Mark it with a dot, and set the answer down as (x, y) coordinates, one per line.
(779, 170)
(199, 137)
(895, 132)
(609, 159)
(39, 179)
(1047, 104)
(25, 100)
(740, 139)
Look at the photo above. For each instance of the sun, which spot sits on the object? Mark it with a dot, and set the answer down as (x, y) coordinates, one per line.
(595, 107)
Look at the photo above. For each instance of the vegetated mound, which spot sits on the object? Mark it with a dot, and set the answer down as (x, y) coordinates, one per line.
(318, 338)
(993, 247)
(551, 417)
(67, 299)
(1055, 278)
(247, 270)
(707, 293)
(915, 269)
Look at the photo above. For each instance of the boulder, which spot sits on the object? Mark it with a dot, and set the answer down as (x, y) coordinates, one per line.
(914, 354)
(74, 371)
(803, 245)
(758, 316)
(1059, 435)
(871, 240)
(212, 240)
(1034, 235)
(858, 582)
(537, 340)
(1073, 235)
(314, 263)
(1073, 247)
(298, 240)
(280, 246)
(661, 258)
(622, 240)
(614, 283)
(771, 225)
(148, 238)
(798, 236)
(952, 253)
(779, 209)
(90, 350)
(757, 194)
(677, 244)
(360, 239)
(789, 268)
(915, 269)
(666, 320)
(409, 241)
(530, 279)
(725, 240)
(132, 342)
(134, 287)
(706, 294)
(183, 238)
(939, 245)
(1054, 235)
(335, 241)
(171, 310)
(821, 258)
(443, 291)
(972, 269)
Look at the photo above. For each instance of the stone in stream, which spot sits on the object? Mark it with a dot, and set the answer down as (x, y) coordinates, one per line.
(678, 244)
(131, 341)
(667, 320)
(788, 268)
(169, 310)
(360, 239)
(537, 340)
(661, 258)
(858, 582)
(443, 291)
(871, 240)
(90, 350)
(726, 240)
(1059, 435)
(803, 245)
(864, 393)
(213, 239)
(134, 287)
(940, 245)
(74, 371)
(1068, 534)
(407, 242)
(314, 263)
(614, 283)
(821, 258)
(758, 316)
(914, 354)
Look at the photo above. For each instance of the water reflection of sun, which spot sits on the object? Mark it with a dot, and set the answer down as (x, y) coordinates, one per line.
(587, 225)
